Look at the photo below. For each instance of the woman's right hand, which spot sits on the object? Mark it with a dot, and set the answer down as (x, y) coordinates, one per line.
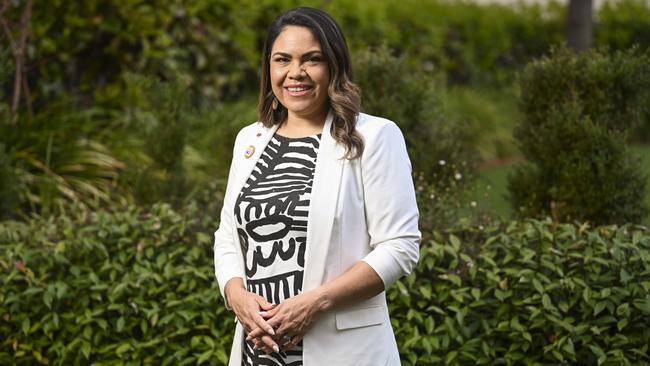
(248, 307)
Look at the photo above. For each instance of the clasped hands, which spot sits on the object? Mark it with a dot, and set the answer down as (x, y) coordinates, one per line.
(271, 327)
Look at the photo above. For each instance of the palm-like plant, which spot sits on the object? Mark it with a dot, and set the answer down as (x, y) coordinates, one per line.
(58, 156)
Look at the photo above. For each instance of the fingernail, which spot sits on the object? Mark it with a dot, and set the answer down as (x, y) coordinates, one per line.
(255, 347)
(276, 349)
(248, 338)
(271, 331)
(262, 313)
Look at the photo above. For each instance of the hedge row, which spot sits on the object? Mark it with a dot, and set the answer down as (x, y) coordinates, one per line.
(135, 287)
(214, 44)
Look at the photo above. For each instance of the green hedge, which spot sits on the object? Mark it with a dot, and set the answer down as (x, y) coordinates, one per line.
(135, 287)
(578, 111)
(527, 293)
(214, 44)
(128, 287)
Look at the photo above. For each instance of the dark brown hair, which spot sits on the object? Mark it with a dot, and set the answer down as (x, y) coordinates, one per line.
(344, 98)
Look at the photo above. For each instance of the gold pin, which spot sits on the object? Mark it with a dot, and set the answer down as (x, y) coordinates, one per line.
(249, 151)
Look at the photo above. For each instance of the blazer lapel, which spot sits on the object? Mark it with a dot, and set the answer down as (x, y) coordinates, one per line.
(322, 207)
(251, 149)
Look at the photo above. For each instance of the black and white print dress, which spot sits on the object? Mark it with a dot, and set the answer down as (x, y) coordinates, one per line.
(271, 217)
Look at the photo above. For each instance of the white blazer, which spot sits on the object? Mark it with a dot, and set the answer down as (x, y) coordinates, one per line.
(362, 209)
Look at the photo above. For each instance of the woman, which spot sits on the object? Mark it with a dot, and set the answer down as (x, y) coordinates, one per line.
(319, 215)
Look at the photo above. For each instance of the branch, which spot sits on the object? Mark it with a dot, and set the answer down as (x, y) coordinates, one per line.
(5, 5)
(18, 50)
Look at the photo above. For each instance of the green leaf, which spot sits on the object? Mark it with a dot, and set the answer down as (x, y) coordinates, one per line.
(547, 303)
(425, 290)
(451, 356)
(124, 347)
(455, 279)
(600, 306)
(85, 349)
(204, 357)
(538, 286)
(47, 299)
(569, 349)
(476, 293)
(429, 324)
(599, 353)
(26, 325)
(120, 324)
(455, 242)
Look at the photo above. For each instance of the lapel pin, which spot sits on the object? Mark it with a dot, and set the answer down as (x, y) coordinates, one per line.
(259, 134)
(249, 151)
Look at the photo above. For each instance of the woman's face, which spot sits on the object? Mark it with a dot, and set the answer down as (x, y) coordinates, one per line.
(299, 73)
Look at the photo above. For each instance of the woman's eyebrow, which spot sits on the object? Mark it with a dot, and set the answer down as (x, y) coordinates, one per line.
(307, 54)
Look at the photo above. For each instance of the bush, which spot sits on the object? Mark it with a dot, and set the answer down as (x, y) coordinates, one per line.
(577, 111)
(157, 114)
(441, 150)
(527, 293)
(56, 157)
(128, 287)
(136, 286)
(214, 44)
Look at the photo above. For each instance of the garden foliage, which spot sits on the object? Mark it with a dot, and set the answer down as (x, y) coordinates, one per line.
(87, 47)
(136, 286)
(441, 149)
(577, 111)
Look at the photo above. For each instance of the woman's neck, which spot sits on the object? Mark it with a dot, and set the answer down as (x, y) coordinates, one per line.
(298, 126)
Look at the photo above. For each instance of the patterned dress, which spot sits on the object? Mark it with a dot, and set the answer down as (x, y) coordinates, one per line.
(271, 217)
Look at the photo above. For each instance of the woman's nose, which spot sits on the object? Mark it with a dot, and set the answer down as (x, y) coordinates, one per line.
(297, 70)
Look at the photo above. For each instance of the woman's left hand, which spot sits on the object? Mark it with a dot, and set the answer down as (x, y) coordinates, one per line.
(291, 319)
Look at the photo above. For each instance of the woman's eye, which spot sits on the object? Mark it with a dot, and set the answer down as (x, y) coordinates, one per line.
(314, 60)
(282, 60)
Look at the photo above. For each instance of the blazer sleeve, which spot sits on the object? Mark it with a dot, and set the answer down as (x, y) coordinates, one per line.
(391, 210)
(226, 260)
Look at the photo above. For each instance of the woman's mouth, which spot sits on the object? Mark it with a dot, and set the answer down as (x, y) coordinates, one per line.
(297, 91)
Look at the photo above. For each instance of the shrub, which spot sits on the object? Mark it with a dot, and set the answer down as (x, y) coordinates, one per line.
(577, 111)
(55, 157)
(129, 287)
(441, 149)
(135, 286)
(214, 44)
(527, 293)
(157, 115)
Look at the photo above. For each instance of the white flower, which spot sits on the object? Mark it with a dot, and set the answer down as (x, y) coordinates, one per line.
(473, 203)
(442, 162)
(432, 196)
(458, 176)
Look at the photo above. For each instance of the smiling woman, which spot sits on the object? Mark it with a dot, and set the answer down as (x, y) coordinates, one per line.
(305, 273)
(300, 76)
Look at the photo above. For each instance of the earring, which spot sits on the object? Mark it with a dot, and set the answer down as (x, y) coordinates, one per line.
(274, 104)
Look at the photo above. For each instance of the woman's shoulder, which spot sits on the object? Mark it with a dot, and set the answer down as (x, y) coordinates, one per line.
(374, 127)
(249, 131)
(370, 122)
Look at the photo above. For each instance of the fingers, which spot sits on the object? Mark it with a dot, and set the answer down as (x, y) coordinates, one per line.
(262, 324)
(266, 344)
(255, 333)
(292, 342)
(265, 305)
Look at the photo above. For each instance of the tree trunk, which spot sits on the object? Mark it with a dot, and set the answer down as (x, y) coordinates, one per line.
(579, 24)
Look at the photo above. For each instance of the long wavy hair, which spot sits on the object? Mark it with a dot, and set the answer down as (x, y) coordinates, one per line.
(344, 100)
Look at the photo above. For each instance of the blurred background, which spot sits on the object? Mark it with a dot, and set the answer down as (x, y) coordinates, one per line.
(118, 117)
(118, 102)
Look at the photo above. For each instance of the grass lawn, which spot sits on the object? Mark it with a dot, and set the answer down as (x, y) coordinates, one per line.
(490, 187)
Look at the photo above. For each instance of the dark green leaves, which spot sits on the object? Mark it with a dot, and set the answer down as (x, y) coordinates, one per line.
(529, 293)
